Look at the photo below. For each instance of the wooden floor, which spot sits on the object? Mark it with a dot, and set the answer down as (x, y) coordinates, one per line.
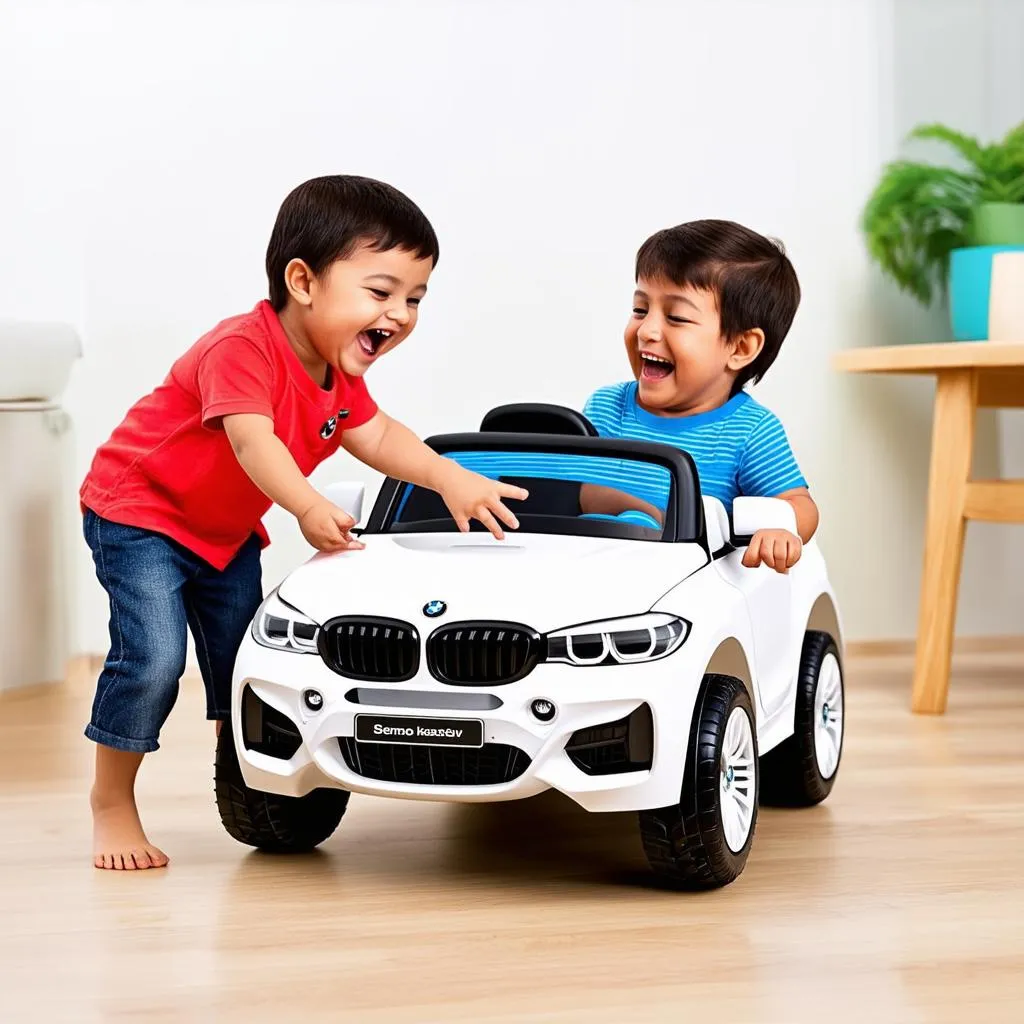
(900, 899)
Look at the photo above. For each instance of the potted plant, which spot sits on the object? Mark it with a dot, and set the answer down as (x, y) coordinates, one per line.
(934, 229)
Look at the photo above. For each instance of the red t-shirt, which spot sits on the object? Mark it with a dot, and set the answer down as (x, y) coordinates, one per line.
(169, 466)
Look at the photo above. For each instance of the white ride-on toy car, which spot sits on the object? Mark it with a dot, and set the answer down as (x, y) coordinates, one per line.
(630, 664)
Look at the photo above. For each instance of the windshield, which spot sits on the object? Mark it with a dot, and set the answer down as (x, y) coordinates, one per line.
(586, 495)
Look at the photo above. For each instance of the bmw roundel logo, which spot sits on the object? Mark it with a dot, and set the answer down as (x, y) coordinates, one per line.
(328, 429)
(434, 608)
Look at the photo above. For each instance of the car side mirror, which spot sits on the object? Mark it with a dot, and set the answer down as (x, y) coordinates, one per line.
(750, 514)
(346, 495)
(716, 521)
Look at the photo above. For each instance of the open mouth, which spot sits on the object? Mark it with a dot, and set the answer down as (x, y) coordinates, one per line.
(371, 340)
(654, 367)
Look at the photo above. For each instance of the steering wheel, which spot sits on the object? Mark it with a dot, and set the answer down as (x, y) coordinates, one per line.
(634, 518)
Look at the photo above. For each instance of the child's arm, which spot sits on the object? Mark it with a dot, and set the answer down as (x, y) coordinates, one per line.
(393, 449)
(805, 509)
(263, 455)
(596, 498)
(768, 467)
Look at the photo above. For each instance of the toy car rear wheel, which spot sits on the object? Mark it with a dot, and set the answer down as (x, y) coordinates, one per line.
(277, 824)
(703, 841)
(801, 770)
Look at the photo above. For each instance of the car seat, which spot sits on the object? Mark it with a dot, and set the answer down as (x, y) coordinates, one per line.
(537, 418)
(548, 497)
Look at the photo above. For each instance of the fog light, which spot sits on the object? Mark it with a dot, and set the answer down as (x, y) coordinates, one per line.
(313, 700)
(543, 710)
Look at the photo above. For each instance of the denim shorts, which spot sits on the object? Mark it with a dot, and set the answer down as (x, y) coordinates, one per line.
(158, 589)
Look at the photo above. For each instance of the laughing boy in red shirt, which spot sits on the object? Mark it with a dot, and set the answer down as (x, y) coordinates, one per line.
(174, 499)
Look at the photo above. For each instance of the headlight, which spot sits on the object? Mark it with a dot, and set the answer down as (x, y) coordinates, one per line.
(618, 641)
(284, 628)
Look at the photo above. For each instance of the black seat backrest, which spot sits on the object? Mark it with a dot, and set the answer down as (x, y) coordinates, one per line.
(537, 418)
(547, 498)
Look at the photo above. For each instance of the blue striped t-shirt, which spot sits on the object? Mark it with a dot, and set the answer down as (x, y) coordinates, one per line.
(740, 448)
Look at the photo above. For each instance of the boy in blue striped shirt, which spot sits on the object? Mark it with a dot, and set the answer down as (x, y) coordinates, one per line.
(713, 303)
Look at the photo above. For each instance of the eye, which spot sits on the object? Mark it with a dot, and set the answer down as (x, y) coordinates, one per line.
(380, 294)
(678, 320)
(637, 311)
(415, 302)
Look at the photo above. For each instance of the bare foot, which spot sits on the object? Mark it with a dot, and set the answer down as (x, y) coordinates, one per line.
(119, 842)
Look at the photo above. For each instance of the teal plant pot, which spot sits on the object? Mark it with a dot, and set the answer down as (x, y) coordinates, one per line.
(970, 277)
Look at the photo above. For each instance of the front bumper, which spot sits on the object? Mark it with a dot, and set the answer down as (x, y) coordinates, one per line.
(522, 756)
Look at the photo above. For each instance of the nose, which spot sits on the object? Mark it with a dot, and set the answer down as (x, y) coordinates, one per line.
(649, 330)
(399, 314)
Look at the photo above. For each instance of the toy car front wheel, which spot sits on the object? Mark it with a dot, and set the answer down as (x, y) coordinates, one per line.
(278, 824)
(802, 769)
(703, 841)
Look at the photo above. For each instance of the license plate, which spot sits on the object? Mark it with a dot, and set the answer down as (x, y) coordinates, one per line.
(432, 732)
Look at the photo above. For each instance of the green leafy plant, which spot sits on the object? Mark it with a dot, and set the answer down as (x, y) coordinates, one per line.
(920, 212)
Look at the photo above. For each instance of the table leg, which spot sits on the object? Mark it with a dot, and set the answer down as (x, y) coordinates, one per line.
(956, 398)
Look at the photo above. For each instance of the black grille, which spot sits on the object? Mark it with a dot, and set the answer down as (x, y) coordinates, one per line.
(489, 765)
(613, 747)
(266, 730)
(385, 650)
(482, 653)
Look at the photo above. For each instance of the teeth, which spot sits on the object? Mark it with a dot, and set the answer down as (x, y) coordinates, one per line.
(655, 359)
(377, 336)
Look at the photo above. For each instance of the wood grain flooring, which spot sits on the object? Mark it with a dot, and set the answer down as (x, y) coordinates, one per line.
(900, 899)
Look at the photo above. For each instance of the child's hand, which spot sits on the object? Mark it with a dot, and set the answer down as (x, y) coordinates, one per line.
(327, 527)
(778, 549)
(471, 496)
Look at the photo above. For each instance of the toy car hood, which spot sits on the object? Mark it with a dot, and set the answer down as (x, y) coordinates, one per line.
(539, 580)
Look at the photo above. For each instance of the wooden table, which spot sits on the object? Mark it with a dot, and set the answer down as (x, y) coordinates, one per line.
(969, 375)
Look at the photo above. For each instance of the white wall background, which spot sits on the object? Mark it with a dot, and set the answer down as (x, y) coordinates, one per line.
(146, 147)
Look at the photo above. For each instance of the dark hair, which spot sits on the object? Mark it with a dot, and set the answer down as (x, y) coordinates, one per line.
(750, 275)
(324, 219)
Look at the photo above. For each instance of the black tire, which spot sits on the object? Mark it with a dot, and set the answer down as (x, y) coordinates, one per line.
(685, 843)
(277, 824)
(790, 775)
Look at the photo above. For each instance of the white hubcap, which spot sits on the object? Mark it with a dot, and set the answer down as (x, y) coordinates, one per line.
(828, 716)
(736, 780)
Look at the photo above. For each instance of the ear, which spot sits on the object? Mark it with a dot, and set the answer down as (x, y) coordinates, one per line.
(298, 279)
(746, 347)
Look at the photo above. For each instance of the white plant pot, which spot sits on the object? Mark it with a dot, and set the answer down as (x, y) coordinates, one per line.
(36, 360)
(1006, 297)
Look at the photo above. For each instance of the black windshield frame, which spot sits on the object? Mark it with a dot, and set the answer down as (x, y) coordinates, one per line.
(684, 516)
